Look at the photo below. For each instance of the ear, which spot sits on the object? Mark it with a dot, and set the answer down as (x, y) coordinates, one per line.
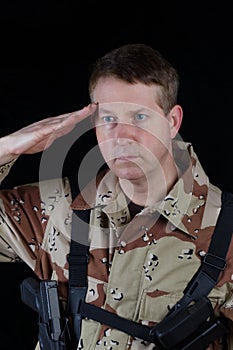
(175, 117)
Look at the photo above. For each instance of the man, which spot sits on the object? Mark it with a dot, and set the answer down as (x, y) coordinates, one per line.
(152, 208)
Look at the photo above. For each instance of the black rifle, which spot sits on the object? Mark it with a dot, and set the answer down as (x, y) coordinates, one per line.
(42, 297)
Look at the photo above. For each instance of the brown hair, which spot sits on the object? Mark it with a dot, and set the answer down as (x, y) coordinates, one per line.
(139, 63)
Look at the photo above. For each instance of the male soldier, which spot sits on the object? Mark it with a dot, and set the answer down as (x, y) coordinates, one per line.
(152, 208)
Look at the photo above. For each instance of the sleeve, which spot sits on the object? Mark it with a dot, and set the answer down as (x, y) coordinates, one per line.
(22, 224)
(5, 169)
(35, 225)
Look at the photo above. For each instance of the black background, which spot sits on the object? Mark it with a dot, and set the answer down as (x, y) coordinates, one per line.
(46, 51)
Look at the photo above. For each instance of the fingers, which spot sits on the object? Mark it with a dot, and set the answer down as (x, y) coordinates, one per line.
(63, 124)
(75, 116)
(40, 135)
(65, 121)
(78, 116)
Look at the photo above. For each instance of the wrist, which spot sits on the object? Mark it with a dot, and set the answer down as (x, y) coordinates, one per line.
(5, 156)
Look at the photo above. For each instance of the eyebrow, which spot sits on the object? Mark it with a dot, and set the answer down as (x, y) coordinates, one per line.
(103, 110)
(107, 111)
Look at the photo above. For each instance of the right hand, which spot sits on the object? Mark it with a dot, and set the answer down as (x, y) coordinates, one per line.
(40, 135)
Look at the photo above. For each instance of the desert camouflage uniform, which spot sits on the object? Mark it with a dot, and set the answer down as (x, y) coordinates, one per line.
(137, 269)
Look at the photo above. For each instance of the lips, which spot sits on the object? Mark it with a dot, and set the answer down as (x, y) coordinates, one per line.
(125, 156)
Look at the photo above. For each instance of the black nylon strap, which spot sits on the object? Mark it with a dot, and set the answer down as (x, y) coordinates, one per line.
(219, 245)
(79, 249)
(108, 318)
(78, 260)
(214, 261)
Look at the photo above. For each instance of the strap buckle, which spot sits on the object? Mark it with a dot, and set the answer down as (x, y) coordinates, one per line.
(77, 259)
(214, 261)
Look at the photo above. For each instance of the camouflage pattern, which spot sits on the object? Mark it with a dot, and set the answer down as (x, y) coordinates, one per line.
(138, 267)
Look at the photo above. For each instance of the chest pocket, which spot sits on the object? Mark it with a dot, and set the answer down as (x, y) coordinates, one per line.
(154, 308)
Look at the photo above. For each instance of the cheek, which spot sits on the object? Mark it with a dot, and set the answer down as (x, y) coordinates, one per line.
(106, 140)
(157, 136)
(101, 135)
(106, 147)
(153, 146)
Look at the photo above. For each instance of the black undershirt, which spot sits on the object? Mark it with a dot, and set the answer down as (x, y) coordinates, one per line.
(134, 208)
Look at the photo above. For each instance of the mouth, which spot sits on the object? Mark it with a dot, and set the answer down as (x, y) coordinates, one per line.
(126, 157)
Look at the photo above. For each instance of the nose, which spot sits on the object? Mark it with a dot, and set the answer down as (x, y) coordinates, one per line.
(124, 133)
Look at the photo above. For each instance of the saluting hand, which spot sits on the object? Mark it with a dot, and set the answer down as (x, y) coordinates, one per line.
(40, 135)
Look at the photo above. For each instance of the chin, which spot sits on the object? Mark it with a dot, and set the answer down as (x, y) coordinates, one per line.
(129, 174)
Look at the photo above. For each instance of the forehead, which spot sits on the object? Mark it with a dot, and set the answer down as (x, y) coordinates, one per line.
(124, 109)
(110, 89)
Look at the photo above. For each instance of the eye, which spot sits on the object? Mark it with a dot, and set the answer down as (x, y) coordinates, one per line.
(105, 119)
(140, 117)
(108, 119)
